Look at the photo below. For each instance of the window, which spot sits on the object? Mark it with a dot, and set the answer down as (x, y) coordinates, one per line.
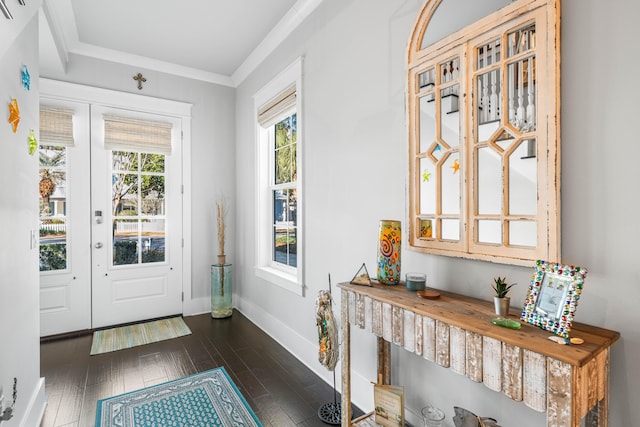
(279, 148)
(138, 150)
(56, 135)
(483, 114)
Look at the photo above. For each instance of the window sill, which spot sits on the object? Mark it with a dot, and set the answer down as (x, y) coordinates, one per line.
(280, 278)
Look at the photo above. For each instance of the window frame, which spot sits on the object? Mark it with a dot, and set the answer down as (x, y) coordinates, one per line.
(287, 277)
(462, 43)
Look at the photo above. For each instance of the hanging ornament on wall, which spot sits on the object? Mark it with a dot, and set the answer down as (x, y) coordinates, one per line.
(33, 143)
(14, 114)
(26, 78)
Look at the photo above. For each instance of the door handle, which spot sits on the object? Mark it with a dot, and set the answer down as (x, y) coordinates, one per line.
(98, 245)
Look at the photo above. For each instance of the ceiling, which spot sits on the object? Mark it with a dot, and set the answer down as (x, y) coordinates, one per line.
(220, 41)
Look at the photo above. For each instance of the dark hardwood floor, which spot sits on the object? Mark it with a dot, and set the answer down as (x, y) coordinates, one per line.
(280, 389)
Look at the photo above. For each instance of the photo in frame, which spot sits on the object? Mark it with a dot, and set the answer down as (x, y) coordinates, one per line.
(553, 296)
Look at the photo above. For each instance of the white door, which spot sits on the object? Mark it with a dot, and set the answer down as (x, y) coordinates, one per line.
(65, 251)
(136, 216)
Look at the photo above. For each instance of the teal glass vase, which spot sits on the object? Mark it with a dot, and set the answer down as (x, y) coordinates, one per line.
(221, 280)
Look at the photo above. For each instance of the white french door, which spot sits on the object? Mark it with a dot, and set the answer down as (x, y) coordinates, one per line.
(111, 243)
(136, 211)
(65, 252)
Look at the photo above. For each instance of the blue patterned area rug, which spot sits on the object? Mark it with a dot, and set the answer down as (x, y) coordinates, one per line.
(207, 399)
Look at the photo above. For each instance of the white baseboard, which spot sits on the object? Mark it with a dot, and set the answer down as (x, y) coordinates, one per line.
(36, 406)
(196, 306)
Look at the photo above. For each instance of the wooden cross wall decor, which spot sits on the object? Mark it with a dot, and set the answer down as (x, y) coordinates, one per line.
(140, 79)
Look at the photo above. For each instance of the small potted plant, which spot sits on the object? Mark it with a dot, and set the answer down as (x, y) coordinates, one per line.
(501, 300)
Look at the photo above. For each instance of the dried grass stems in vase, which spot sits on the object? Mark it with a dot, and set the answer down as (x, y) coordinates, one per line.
(221, 212)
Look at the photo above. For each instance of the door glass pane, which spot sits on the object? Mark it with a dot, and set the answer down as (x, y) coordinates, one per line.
(152, 240)
(152, 195)
(53, 208)
(138, 203)
(125, 241)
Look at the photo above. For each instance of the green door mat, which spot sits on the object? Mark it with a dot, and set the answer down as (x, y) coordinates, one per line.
(115, 339)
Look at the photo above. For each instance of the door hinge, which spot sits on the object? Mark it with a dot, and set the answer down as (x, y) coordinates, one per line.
(182, 242)
(182, 189)
(183, 297)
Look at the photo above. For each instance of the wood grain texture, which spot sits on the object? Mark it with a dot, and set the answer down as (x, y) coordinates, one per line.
(419, 335)
(376, 317)
(282, 391)
(368, 311)
(559, 377)
(409, 330)
(397, 325)
(352, 307)
(568, 382)
(472, 315)
(492, 363)
(429, 338)
(360, 310)
(458, 350)
(512, 371)
(442, 344)
(474, 351)
(387, 318)
(535, 380)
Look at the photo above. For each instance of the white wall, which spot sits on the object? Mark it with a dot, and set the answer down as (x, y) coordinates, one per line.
(19, 322)
(355, 170)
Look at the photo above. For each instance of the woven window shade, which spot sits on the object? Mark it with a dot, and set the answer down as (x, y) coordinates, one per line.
(272, 110)
(56, 126)
(128, 134)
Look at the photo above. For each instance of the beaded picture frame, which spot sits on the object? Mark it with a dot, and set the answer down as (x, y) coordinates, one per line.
(553, 296)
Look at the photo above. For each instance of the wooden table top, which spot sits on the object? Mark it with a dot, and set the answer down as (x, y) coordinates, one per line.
(474, 315)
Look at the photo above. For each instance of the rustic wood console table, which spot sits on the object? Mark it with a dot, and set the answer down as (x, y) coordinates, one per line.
(568, 382)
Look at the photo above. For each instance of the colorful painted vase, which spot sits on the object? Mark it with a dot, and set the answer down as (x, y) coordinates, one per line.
(389, 252)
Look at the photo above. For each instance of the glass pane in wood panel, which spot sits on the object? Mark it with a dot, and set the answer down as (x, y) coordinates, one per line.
(427, 124)
(490, 183)
(450, 116)
(425, 228)
(427, 187)
(523, 180)
(451, 229)
(523, 233)
(522, 40)
(522, 94)
(489, 231)
(450, 185)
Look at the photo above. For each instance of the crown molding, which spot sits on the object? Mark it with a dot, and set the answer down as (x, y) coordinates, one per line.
(61, 20)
